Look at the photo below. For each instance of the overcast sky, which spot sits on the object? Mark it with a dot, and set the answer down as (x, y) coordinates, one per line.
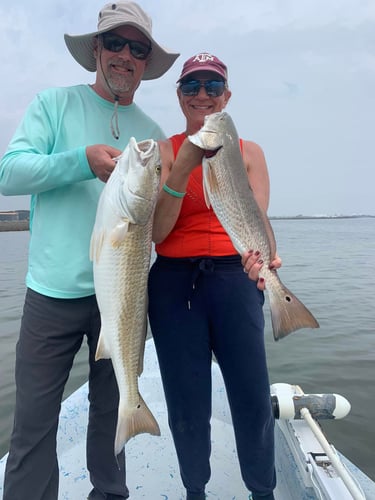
(302, 73)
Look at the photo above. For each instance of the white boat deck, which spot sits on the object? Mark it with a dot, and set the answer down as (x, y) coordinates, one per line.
(152, 469)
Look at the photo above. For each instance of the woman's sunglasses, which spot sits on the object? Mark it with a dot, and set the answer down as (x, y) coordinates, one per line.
(115, 43)
(213, 88)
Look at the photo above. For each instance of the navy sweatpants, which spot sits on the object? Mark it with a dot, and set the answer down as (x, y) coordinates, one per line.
(200, 306)
(52, 332)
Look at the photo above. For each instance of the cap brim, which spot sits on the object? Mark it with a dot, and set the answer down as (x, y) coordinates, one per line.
(82, 49)
(203, 67)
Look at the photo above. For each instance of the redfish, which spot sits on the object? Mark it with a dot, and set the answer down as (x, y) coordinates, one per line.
(228, 191)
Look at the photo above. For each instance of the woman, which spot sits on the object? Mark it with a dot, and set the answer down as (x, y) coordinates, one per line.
(202, 303)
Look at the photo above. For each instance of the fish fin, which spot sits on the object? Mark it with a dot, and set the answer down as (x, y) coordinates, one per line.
(133, 421)
(206, 196)
(96, 245)
(143, 339)
(119, 232)
(142, 352)
(213, 184)
(210, 183)
(288, 314)
(101, 349)
(92, 247)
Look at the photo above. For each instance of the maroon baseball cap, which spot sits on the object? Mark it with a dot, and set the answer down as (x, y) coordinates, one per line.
(203, 62)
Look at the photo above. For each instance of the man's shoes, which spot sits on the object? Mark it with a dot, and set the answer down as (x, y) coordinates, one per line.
(97, 495)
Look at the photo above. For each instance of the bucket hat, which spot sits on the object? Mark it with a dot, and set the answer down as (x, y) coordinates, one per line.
(110, 17)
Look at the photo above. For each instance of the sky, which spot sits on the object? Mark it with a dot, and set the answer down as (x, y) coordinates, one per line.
(302, 75)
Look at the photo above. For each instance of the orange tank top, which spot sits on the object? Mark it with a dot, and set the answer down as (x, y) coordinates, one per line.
(197, 231)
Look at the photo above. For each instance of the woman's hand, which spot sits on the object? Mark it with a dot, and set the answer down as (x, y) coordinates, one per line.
(252, 263)
(189, 156)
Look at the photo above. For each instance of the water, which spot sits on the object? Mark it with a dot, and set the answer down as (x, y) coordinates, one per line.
(329, 264)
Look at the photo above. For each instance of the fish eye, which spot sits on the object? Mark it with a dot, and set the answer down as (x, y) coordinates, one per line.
(158, 168)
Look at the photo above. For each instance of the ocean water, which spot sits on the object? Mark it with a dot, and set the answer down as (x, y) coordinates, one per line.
(329, 264)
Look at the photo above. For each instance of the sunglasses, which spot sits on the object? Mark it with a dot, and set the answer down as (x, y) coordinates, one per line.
(115, 43)
(213, 88)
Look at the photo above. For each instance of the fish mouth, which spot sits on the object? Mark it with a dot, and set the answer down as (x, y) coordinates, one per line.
(205, 140)
(209, 153)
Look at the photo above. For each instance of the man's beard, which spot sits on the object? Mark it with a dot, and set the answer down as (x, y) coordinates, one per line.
(120, 84)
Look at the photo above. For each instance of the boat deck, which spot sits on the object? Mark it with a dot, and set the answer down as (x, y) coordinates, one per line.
(152, 469)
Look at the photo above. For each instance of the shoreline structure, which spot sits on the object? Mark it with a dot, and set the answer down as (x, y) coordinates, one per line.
(15, 220)
(18, 220)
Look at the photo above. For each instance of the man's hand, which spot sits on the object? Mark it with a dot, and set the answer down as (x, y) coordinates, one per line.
(101, 160)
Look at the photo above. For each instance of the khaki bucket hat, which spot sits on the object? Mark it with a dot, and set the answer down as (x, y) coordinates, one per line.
(112, 16)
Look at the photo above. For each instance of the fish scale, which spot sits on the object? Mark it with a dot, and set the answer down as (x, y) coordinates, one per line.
(227, 190)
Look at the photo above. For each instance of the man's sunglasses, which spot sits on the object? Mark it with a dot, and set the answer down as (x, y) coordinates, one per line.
(213, 88)
(115, 43)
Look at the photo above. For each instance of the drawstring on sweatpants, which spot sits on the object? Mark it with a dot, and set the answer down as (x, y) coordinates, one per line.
(200, 266)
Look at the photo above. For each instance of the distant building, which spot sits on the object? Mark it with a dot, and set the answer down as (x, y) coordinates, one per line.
(15, 215)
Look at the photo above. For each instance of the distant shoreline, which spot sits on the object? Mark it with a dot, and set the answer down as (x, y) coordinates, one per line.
(14, 220)
(309, 217)
(23, 225)
(14, 225)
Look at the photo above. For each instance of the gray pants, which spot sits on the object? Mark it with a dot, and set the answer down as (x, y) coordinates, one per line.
(51, 334)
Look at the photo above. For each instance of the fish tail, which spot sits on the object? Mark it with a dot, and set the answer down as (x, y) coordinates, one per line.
(132, 421)
(288, 314)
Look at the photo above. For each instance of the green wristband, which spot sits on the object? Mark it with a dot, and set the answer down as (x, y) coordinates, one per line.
(172, 192)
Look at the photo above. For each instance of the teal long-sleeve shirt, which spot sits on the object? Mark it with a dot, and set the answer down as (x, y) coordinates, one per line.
(47, 159)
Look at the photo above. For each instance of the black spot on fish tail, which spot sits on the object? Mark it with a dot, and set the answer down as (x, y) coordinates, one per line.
(288, 313)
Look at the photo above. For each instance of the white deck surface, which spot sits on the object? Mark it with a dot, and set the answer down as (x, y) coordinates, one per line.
(152, 469)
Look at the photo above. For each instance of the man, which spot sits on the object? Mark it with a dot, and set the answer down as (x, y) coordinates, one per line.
(60, 154)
